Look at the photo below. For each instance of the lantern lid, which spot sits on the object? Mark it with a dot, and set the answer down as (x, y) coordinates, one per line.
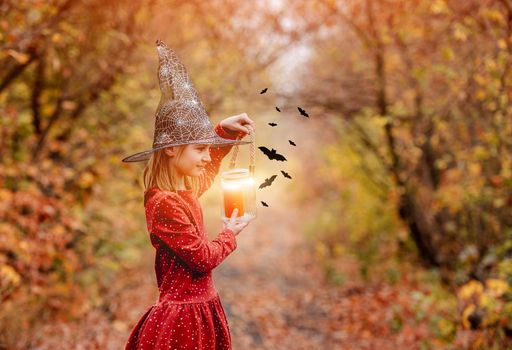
(235, 174)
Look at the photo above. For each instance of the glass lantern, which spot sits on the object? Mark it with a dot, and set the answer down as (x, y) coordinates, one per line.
(239, 191)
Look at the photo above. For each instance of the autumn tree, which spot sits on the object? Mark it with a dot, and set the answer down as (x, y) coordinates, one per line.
(434, 78)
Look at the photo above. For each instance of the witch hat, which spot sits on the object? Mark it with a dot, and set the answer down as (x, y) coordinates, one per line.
(180, 118)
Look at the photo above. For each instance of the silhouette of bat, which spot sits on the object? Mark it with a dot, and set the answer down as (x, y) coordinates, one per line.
(285, 174)
(272, 124)
(264, 204)
(277, 109)
(268, 181)
(271, 154)
(303, 112)
(292, 143)
(263, 91)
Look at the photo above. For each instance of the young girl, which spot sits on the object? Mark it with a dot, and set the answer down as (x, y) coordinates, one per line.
(186, 156)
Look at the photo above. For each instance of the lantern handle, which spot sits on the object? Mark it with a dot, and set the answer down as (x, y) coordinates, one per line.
(252, 153)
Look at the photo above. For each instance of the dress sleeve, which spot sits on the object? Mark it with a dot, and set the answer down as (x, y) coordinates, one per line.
(171, 224)
(216, 154)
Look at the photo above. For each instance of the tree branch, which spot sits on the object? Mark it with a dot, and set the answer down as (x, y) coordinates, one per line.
(36, 94)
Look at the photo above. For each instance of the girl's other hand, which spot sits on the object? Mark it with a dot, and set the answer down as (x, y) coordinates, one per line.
(237, 123)
(233, 225)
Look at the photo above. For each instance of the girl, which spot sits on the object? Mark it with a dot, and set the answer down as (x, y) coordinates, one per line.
(185, 158)
(189, 313)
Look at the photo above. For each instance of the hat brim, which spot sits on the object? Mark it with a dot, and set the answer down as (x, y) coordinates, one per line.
(217, 142)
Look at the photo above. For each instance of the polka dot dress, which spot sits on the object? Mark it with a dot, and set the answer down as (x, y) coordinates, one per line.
(188, 314)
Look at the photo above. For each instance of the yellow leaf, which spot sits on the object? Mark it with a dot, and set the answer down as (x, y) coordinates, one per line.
(448, 53)
(484, 300)
(480, 94)
(460, 34)
(445, 327)
(321, 250)
(56, 37)
(58, 230)
(480, 152)
(475, 169)
(381, 121)
(9, 276)
(5, 195)
(506, 170)
(498, 202)
(494, 15)
(470, 288)
(439, 7)
(21, 57)
(480, 79)
(496, 286)
(86, 180)
(120, 326)
(338, 249)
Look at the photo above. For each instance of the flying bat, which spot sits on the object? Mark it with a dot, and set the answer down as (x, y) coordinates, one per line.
(263, 91)
(303, 112)
(264, 204)
(285, 174)
(277, 109)
(292, 143)
(268, 181)
(272, 154)
(272, 124)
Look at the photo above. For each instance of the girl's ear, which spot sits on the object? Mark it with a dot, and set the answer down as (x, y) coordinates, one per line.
(170, 151)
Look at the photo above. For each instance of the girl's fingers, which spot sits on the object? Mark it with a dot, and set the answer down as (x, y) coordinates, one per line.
(245, 118)
(249, 128)
(245, 123)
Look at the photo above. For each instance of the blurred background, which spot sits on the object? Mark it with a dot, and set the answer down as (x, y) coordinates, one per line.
(395, 231)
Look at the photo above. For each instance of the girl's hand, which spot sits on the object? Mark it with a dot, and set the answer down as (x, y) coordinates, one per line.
(233, 225)
(239, 123)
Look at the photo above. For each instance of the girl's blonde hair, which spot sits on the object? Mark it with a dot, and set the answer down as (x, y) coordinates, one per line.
(159, 172)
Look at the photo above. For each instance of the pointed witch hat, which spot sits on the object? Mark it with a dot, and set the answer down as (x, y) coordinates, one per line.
(180, 118)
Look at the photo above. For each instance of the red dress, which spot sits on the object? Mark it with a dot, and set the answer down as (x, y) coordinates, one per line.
(189, 313)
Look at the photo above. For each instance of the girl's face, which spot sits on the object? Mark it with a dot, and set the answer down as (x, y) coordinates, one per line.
(192, 161)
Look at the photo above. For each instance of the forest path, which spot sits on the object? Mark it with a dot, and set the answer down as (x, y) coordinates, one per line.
(275, 296)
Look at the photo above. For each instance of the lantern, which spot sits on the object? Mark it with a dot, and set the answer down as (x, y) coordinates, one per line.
(239, 188)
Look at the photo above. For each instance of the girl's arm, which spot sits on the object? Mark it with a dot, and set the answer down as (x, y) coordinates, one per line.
(173, 227)
(216, 154)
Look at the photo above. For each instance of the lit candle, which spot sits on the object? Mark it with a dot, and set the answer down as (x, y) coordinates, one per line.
(233, 198)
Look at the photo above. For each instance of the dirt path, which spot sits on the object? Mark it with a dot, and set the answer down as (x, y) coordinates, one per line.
(274, 296)
(265, 282)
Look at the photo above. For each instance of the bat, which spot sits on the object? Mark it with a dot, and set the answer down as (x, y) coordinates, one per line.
(303, 112)
(263, 91)
(268, 181)
(277, 109)
(271, 154)
(285, 174)
(264, 204)
(272, 124)
(292, 143)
